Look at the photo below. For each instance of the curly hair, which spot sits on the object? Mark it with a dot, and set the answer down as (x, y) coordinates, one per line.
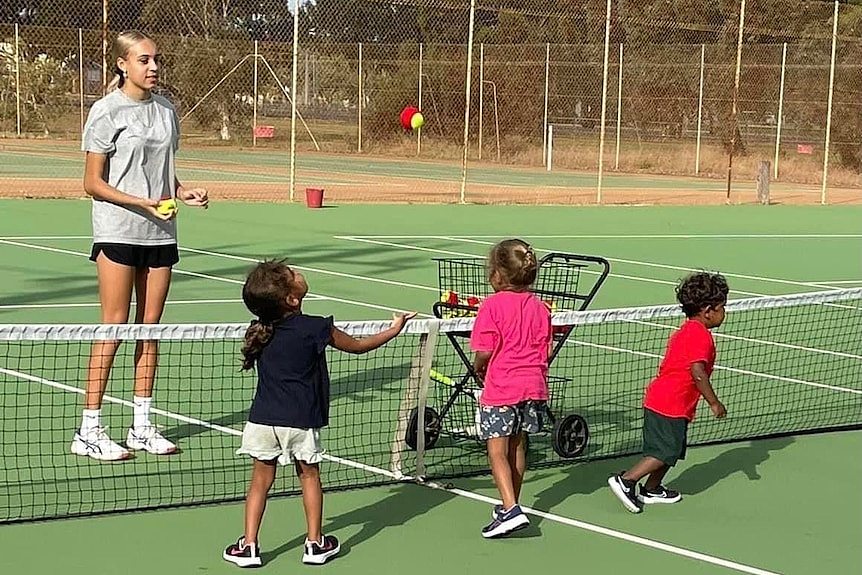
(514, 262)
(265, 294)
(701, 291)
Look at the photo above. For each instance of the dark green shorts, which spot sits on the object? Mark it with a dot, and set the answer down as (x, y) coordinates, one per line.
(665, 437)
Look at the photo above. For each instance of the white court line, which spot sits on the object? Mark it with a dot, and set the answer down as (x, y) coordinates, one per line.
(758, 341)
(310, 269)
(637, 236)
(721, 367)
(469, 255)
(613, 274)
(598, 529)
(207, 276)
(183, 418)
(97, 304)
(763, 342)
(33, 238)
(665, 266)
(612, 533)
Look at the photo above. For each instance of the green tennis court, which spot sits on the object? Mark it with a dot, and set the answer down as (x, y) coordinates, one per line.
(749, 505)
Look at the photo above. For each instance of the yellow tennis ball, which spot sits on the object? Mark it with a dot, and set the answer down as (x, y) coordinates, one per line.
(417, 121)
(167, 207)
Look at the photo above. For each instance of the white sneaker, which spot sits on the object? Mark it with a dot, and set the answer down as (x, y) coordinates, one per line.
(96, 444)
(149, 439)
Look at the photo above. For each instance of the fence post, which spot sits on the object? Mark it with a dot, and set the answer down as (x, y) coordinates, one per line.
(545, 116)
(17, 83)
(780, 118)
(604, 102)
(104, 46)
(305, 82)
(419, 131)
(734, 113)
(359, 105)
(293, 78)
(619, 110)
(550, 152)
(481, 93)
(829, 105)
(467, 101)
(81, 74)
(700, 110)
(254, 106)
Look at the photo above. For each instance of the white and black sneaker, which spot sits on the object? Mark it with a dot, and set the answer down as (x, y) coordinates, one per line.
(625, 492)
(97, 444)
(147, 438)
(660, 495)
(505, 522)
(319, 552)
(243, 554)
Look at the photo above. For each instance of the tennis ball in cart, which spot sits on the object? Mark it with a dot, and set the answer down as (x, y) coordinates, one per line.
(167, 207)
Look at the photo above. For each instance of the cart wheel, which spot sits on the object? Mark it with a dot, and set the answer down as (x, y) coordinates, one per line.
(432, 428)
(570, 436)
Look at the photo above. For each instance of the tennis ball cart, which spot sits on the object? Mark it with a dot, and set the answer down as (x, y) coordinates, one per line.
(565, 282)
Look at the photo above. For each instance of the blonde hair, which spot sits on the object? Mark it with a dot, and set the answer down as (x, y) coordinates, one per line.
(514, 262)
(120, 49)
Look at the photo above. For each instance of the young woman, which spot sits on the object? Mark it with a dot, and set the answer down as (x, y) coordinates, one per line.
(130, 140)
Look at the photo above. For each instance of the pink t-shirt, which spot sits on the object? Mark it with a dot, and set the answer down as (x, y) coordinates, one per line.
(515, 327)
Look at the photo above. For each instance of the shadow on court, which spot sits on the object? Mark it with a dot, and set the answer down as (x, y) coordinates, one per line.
(405, 503)
(745, 459)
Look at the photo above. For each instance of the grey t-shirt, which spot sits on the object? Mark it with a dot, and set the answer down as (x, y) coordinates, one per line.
(140, 140)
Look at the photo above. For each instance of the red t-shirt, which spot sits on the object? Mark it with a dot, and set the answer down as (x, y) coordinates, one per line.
(673, 392)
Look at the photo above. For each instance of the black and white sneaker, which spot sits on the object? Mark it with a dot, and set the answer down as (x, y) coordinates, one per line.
(505, 522)
(625, 492)
(242, 554)
(319, 552)
(660, 495)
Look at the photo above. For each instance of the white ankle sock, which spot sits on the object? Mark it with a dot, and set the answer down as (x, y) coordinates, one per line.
(142, 411)
(91, 419)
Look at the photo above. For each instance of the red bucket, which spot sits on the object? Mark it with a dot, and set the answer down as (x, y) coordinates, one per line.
(314, 197)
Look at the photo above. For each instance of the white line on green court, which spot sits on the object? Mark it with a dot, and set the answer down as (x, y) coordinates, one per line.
(206, 276)
(720, 367)
(97, 304)
(646, 354)
(613, 533)
(662, 266)
(310, 269)
(469, 255)
(757, 341)
(33, 238)
(598, 529)
(634, 236)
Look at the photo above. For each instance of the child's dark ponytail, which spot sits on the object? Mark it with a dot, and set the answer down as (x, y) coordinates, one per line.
(257, 336)
(265, 294)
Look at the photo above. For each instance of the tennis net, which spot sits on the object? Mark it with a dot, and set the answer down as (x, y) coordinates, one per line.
(786, 364)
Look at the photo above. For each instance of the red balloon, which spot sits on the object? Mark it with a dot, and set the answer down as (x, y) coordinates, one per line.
(406, 115)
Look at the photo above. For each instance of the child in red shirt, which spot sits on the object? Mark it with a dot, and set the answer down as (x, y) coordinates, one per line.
(671, 398)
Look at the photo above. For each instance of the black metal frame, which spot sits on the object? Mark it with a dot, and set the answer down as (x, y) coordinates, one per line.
(574, 265)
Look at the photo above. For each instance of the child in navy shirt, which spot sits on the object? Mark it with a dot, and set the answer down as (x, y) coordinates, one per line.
(291, 404)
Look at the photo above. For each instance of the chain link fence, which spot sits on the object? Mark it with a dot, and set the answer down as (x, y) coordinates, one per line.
(600, 94)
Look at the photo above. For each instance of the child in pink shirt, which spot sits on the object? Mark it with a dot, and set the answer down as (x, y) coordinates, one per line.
(512, 340)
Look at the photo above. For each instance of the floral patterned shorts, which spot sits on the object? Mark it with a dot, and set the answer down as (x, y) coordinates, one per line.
(506, 420)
